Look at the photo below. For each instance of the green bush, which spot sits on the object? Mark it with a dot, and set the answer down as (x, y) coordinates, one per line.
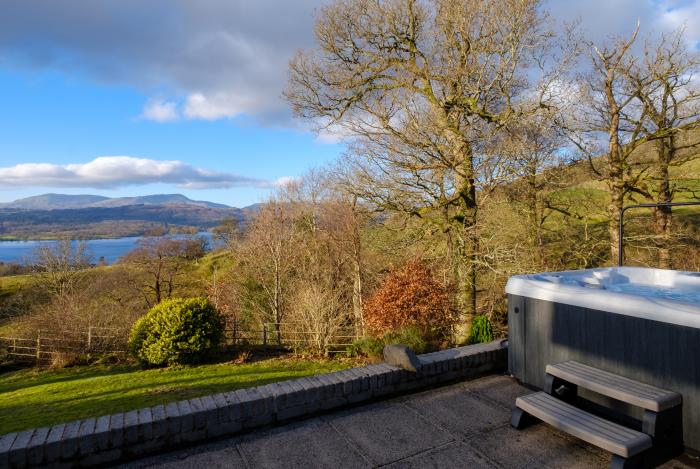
(481, 330)
(366, 346)
(408, 336)
(177, 331)
(373, 346)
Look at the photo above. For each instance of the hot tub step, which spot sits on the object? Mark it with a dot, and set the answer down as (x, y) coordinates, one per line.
(619, 440)
(617, 387)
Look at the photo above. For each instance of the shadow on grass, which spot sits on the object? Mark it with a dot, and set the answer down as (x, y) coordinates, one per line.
(62, 405)
(40, 377)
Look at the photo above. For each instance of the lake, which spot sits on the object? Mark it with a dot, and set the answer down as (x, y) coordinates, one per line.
(112, 249)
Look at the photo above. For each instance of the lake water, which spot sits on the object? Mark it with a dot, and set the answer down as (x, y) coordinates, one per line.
(112, 249)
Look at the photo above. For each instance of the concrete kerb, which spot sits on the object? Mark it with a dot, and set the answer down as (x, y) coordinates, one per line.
(106, 439)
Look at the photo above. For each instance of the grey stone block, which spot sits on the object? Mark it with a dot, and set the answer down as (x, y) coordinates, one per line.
(186, 419)
(5, 445)
(52, 446)
(319, 394)
(116, 430)
(286, 397)
(35, 448)
(347, 380)
(234, 409)
(401, 356)
(145, 424)
(172, 414)
(18, 450)
(355, 381)
(160, 423)
(102, 433)
(131, 426)
(198, 413)
(226, 408)
(86, 438)
(257, 409)
(296, 396)
(221, 406)
(189, 433)
(211, 413)
(69, 441)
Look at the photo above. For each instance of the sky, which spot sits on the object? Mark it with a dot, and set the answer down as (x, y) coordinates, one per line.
(126, 97)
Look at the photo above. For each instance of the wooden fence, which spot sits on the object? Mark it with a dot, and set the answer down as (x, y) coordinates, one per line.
(43, 346)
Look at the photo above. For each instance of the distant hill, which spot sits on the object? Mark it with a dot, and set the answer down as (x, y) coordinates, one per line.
(64, 201)
(55, 201)
(110, 222)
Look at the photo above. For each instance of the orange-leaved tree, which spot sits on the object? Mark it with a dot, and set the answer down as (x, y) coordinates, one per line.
(409, 297)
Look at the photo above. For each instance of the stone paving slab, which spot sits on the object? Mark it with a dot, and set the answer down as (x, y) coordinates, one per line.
(448, 409)
(290, 447)
(453, 455)
(397, 424)
(413, 431)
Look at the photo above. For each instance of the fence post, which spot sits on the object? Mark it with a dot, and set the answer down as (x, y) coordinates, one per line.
(38, 346)
(235, 326)
(89, 344)
(265, 334)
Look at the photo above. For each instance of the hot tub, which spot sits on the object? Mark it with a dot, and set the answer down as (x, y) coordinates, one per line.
(636, 322)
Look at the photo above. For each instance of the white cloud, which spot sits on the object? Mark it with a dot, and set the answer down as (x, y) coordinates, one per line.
(286, 181)
(109, 172)
(219, 58)
(333, 134)
(160, 111)
(218, 106)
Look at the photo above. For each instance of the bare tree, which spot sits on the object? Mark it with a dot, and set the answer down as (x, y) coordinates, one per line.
(420, 87)
(228, 231)
(665, 83)
(536, 161)
(62, 265)
(608, 125)
(268, 255)
(159, 265)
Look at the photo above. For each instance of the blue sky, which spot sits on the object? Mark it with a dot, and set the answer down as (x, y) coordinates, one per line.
(185, 93)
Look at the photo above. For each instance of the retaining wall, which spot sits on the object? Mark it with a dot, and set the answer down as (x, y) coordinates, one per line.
(110, 438)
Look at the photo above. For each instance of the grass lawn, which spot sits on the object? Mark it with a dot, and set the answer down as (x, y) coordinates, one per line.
(36, 398)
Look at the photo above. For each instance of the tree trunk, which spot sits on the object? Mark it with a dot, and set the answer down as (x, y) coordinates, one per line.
(533, 218)
(663, 215)
(616, 181)
(357, 274)
(616, 204)
(277, 303)
(469, 250)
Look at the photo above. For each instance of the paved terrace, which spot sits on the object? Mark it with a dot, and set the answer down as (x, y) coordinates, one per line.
(462, 425)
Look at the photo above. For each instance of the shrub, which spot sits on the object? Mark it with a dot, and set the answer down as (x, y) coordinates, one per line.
(366, 346)
(480, 330)
(374, 346)
(177, 331)
(408, 336)
(410, 298)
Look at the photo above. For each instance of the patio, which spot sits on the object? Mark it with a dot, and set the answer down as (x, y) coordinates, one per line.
(461, 425)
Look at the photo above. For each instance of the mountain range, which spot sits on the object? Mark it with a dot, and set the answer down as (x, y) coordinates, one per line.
(51, 216)
(65, 201)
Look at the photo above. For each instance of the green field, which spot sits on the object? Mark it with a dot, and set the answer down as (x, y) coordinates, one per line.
(36, 398)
